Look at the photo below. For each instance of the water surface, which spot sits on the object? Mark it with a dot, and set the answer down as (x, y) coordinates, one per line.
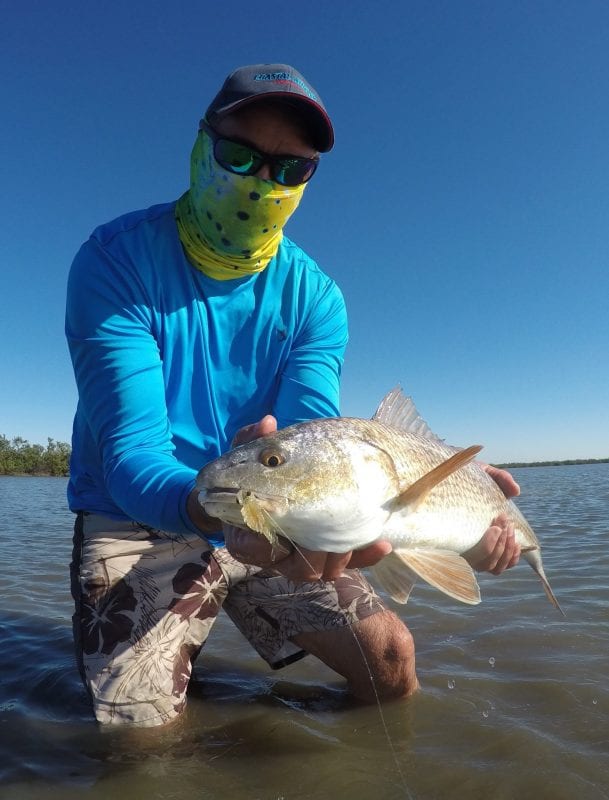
(514, 700)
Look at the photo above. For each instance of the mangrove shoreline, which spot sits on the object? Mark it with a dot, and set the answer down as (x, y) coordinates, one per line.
(19, 458)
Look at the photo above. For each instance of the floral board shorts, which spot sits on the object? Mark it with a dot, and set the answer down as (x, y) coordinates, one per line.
(146, 601)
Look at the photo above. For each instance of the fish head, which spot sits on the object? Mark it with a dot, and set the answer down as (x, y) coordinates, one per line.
(320, 483)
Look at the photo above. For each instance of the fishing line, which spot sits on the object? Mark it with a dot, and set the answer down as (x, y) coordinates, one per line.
(350, 625)
(380, 710)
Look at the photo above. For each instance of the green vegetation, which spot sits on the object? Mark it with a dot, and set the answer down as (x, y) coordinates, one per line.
(571, 462)
(19, 457)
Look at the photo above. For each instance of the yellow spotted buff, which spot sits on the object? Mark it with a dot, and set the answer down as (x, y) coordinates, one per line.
(231, 225)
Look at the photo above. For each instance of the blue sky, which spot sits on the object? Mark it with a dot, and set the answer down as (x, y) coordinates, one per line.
(464, 210)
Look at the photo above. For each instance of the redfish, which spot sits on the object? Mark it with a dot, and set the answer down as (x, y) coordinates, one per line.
(341, 483)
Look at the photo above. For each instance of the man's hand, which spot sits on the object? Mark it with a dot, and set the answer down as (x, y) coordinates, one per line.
(196, 512)
(503, 479)
(298, 563)
(497, 550)
(264, 427)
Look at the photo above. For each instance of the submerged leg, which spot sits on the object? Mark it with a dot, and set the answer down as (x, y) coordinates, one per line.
(343, 622)
(376, 655)
(145, 601)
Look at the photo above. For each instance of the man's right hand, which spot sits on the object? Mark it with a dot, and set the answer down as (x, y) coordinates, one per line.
(197, 514)
(298, 564)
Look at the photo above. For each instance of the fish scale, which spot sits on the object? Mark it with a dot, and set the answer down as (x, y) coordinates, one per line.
(339, 484)
(458, 510)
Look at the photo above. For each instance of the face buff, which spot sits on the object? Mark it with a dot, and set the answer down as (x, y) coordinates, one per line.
(231, 225)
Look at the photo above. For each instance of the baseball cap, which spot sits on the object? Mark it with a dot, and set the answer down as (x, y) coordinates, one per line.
(281, 81)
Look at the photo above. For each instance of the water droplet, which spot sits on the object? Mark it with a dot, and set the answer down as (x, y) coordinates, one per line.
(491, 661)
(451, 684)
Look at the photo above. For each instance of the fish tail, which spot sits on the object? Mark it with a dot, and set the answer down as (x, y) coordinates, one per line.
(534, 559)
(548, 590)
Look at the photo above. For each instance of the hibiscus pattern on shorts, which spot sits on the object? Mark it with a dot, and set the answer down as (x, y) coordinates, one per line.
(269, 609)
(107, 617)
(182, 669)
(202, 589)
(146, 601)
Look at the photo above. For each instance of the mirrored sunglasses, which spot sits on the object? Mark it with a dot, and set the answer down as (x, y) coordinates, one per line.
(243, 159)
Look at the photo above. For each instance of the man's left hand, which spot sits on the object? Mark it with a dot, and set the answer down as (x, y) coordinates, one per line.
(497, 550)
(504, 480)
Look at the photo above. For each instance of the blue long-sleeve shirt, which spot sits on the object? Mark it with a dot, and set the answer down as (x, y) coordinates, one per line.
(170, 363)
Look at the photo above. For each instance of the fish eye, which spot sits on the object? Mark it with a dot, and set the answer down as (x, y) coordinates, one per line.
(271, 457)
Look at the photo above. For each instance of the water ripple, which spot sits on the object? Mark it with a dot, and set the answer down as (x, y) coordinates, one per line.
(514, 700)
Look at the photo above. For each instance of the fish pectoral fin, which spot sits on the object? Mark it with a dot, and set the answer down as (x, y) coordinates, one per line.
(444, 569)
(395, 577)
(418, 491)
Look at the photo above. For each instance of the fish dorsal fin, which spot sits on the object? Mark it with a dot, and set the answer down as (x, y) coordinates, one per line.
(395, 577)
(444, 569)
(416, 493)
(399, 411)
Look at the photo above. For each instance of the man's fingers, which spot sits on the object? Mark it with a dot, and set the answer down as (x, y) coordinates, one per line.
(497, 550)
(298, 563)
(504, 480)
(308, 565)
(371, 555)
(303, 565)
(507, 552)
(252, 548)
(335, 565)
(264, 427)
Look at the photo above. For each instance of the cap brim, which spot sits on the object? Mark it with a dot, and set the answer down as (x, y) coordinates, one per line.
(320, 121)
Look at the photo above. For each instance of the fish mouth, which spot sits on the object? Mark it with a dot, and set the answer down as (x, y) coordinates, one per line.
(221, 494)
(228, 495)
(213, 493)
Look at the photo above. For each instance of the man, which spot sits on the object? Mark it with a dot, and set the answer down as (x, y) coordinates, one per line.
(187, 322)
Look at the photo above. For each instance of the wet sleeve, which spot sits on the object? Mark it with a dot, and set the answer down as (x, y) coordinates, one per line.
(118, 370)
(309, 384)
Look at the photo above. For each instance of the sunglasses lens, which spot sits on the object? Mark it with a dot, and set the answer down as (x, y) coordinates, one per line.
(244, 160)
(293, 171)
(236, 157)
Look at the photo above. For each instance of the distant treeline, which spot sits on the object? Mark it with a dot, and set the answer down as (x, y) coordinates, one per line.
(554, 463)
(19, 457)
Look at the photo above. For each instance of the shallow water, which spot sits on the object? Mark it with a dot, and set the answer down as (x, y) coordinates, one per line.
(514, 699)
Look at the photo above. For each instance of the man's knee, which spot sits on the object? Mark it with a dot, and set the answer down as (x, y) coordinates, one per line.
(376, 656)
(391, 661)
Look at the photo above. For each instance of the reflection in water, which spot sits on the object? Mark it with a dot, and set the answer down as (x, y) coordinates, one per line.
(514, 700)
